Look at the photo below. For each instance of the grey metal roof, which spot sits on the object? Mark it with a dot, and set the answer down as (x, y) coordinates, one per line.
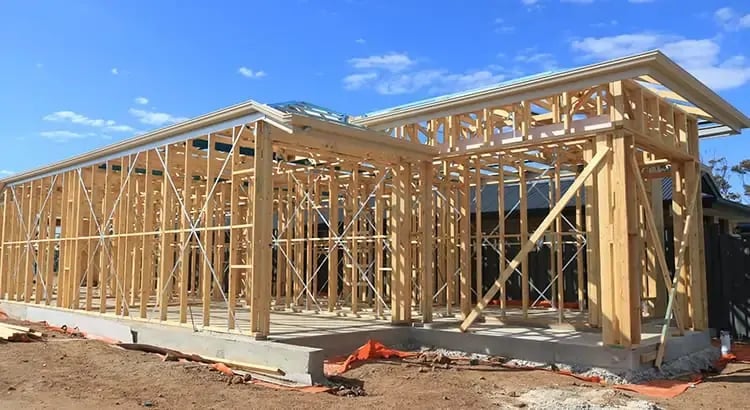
(537, 197)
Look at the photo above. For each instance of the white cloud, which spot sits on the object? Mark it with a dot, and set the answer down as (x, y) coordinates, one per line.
(577, 1)
(141, 100)
(155, 118)
(436, 81)
(75, 118)
(392, 62)
(546, 61)
(641, 1)
(39, 65)
(114, 71)
(246, 72)
(610, 23)
(396, 73)
(502, 27)
(357, 81)
(80, 119)
(64, 135)
(615, 46)
(529, 2)
(120, 128)
(701, 57)
(6, 172)
(360, 41)
(729, 20)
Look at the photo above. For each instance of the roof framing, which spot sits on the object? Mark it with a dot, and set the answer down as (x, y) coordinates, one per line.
(293, 128)
(653, 63)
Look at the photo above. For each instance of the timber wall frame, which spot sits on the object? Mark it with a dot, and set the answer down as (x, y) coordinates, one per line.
(249, 209)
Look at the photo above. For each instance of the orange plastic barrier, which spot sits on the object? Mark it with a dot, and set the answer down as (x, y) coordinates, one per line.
(223, 368)
(368, 351)
(740, 353)
(668, 389)
(663, 389)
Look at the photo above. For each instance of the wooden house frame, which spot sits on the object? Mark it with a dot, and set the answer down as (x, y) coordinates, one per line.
(255, 207)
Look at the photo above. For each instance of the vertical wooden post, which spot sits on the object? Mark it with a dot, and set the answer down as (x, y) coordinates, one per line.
(90, 243)
(28, 271)
(401, 266)
(299, 243)
(289, 245)
(427, 252)
(452, 245)
(235, 239)
(501, 257)
(354, 189)
(593, 228)
(278, 195)
(699, 297)
(120, 252)
(629, 246)
(165, 267)
(42, 210)
(67, 231)
(442, 254)
(262, 232)
(310, 241)
(606, 268)
(679, 214)
(185, 236)
(5, 238)
(465, 239)
(50, 262)
(333, 233)
(104, 270)
(523, 217)
(379, 232)
(560, 246)
(580, 258)
(208, 236)
(620, 245)
(478, 239)
(147, 255)
(655, 275)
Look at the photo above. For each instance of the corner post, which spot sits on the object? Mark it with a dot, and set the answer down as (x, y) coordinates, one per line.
(262, 233)
(400, 221)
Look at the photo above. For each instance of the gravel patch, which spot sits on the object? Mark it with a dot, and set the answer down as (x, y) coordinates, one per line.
(581, 398)
(686, 365)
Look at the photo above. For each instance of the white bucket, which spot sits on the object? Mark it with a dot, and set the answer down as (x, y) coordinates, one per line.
(726, 342)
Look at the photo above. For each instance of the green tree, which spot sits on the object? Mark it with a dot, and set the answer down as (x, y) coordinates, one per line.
(742, 170)
(720, 171)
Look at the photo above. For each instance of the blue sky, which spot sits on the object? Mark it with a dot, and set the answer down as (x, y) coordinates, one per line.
(79, 75)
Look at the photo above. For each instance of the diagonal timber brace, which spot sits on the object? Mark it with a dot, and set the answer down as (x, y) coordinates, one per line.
(531, 242)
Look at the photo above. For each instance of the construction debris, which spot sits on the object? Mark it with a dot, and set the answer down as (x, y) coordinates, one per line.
(14, 333)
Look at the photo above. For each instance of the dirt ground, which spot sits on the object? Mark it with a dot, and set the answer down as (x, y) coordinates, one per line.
(74, 373)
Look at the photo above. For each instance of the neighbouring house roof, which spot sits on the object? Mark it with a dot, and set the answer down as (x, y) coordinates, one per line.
(712, 197)
(537, 197)
(538, 194)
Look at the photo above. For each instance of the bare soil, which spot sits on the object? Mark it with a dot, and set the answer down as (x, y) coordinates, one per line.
(72, 373)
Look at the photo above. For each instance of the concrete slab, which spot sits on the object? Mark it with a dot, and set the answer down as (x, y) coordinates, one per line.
(301, 364)
(300, 342)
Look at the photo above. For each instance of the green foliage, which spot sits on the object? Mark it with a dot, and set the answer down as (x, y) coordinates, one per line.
(721, 171)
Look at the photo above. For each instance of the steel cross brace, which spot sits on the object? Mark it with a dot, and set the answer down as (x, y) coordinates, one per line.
(195, 222)
(28, 231)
